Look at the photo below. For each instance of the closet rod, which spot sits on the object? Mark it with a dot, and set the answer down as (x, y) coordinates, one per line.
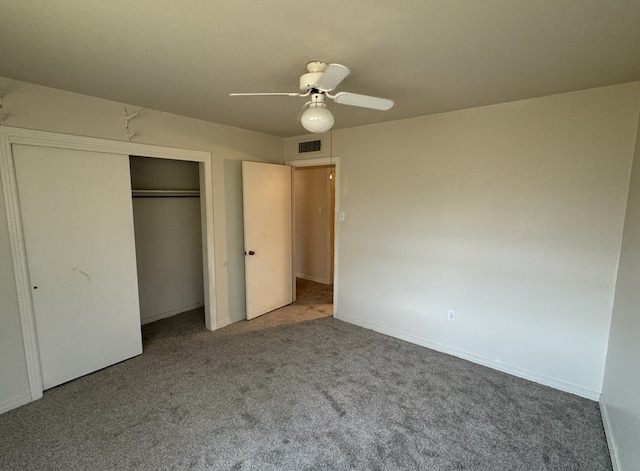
(165, 193)
(165, 196)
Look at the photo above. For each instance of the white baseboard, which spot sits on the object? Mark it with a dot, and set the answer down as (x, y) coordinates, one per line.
(324, 281)
(608, 432)
(14, 402)
(173, 312)
(224, 322)
(505, 368)
(231, 320)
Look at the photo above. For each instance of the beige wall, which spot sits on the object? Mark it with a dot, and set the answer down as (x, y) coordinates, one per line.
(621, 389)
(313, 218)
(510, 214)
(35, 107)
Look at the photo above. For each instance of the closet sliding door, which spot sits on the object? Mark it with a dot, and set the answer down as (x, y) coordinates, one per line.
(78, 230)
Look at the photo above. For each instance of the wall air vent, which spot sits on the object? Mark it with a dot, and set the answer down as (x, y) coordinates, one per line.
(310, 146)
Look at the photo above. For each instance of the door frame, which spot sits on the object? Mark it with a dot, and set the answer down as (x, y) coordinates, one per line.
(336, 233)
(10, 136)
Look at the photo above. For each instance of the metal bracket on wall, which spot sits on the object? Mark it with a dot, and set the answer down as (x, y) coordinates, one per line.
(127, 118)
(2, 112)
(3, 93)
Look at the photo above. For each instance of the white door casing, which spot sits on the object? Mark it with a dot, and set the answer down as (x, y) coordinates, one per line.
(78, 231)
(266, 190)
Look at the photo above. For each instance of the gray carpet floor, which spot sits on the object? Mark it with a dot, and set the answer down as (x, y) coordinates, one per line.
(318, 395)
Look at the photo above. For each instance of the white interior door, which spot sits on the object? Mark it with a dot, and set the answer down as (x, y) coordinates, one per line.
(266, 190)
(78, 229)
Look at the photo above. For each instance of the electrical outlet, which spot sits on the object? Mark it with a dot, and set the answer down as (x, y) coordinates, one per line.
(451, 315)
(341, 216)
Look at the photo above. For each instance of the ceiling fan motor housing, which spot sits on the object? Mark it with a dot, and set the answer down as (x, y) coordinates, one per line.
(309, 80)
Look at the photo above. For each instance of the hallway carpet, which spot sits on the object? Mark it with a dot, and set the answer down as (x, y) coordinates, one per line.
(314, 300)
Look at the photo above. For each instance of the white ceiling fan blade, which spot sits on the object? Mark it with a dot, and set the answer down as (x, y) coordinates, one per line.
(331, 77)
(264, 94)
(363, 101)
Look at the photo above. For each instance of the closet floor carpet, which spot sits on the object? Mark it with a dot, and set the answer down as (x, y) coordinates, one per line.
(318, 395)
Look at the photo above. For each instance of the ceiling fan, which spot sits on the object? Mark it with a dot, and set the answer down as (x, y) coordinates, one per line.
(321, 79)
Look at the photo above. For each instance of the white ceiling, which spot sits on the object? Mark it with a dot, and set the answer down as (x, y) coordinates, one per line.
(429, 56)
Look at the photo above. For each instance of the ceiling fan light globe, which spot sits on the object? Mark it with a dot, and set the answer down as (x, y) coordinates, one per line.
(317, 119)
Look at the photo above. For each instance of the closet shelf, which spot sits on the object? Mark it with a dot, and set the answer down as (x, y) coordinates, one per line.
(164, 193)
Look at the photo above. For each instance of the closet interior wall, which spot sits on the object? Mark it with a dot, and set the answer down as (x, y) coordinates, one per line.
(167, 222)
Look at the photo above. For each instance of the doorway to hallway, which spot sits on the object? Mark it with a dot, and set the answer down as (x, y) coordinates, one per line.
(313, 234)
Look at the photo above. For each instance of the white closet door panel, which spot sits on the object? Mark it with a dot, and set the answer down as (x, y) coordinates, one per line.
(78, 227)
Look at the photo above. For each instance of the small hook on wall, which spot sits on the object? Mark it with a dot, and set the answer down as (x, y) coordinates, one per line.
(3, 93)
(128, 117)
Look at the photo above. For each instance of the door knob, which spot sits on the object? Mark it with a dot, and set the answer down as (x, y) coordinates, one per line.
(250, 252)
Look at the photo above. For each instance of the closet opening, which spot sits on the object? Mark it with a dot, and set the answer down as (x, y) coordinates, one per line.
(167, 217)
